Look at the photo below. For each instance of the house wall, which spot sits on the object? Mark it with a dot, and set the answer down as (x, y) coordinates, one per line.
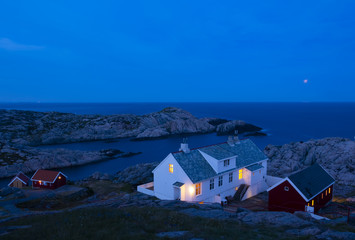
(164, 180)
(17, 184)
(288, 201)
(320, 202)
(58, 183)
(222, 168)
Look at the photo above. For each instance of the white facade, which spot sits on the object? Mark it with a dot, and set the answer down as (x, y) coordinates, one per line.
(172, 182)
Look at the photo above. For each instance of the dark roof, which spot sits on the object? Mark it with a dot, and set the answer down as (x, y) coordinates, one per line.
(312, 180)
(22, 177)
(45, 175)
(195, 165)
(246, 151)
(197, 168)
(178, 184)
(254, 167)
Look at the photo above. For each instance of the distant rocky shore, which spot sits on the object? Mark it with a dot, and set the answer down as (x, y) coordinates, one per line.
(21, 131)
(39, 128)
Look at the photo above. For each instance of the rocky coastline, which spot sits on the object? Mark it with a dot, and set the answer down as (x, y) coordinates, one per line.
(21, 132)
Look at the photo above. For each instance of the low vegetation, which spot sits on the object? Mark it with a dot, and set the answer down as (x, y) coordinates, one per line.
(133, 223)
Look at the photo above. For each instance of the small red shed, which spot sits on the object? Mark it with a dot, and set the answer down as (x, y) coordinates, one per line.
(48, 179)
(306, 190)
(19, 181)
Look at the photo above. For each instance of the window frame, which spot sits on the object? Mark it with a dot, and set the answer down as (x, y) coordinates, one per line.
(171, 168)
(226, 162)
(220, 181)
(240, 172)
(198, 189)
(230, 177)
(212, 184)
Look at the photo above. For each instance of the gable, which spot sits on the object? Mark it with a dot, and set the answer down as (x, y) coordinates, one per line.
(312, 180)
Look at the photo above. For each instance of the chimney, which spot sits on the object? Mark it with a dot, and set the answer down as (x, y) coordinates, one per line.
(230, 141)
(236, 138)
(184, 146)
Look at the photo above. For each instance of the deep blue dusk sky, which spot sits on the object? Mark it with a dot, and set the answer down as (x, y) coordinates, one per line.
(124, 51)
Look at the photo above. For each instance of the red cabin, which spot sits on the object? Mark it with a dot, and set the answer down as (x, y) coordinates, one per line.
(306, 190)
(48, 179)
(19, 181)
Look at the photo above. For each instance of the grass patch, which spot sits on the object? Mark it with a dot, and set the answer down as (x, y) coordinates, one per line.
(342, 227)
(133, 223)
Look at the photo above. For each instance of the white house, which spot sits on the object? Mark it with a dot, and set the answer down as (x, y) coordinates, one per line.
(211, 173)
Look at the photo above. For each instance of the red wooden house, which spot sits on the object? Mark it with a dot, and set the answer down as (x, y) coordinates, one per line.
(306, 190)
(48, 179)
(19, 181)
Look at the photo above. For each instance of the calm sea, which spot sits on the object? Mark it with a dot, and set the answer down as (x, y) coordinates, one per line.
(283, 122)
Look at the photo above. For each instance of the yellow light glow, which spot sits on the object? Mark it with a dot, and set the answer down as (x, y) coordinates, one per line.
(191, 190)
(171, 168)
(312, 203)
(59, 177)
(201, 202)
(240, 173)
(40, 182)
(236, 188)
(329, 190)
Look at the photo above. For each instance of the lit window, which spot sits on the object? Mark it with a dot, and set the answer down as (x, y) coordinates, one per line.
(308, 204)
(240, 173)
(59, 177)
(286, 188)
(198, 189)
(230, 177)
(226, 162)
(322, 195)
(329, 190)
(326, 193)
(212, 184)
(220, 181)
(171, 168)
(312, 203)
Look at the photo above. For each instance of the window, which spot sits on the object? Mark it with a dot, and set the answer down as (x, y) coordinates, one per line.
(171, 168)
(326, 193)
(230, 177)
(240, 173)
(220, 181)
(312, 203)
(286, 188)
(329, 190)
(212, 184)
(322, 195)
(198, 189)
(226, 162)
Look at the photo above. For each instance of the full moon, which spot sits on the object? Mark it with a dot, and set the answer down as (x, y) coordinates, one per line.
(305, 81)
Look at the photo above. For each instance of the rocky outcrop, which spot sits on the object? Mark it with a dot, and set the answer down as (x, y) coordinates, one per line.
(28, 159)
(38, 128)
(137, 174)
(336, 155)
(236, 125)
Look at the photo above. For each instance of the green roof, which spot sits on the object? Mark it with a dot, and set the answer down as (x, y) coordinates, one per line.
(312, 180)
(197, 168)
(254, 167)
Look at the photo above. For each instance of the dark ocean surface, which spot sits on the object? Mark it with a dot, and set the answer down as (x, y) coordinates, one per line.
(283, 122)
